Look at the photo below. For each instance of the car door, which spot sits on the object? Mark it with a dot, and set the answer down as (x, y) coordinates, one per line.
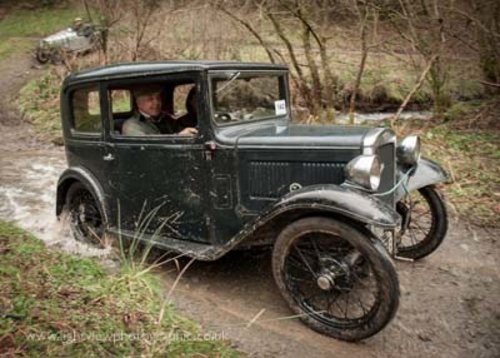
(158, 186)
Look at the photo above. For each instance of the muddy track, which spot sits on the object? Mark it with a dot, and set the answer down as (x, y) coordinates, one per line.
(449, 301)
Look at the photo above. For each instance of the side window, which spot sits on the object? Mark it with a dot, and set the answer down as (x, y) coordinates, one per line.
(86, 110)
(121, 101)
(181, 93)
(159, 108)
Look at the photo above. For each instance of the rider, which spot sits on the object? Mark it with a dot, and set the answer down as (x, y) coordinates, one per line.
(82, 29)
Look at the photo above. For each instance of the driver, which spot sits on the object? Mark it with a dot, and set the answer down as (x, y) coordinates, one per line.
(149, 119)
(81, 28)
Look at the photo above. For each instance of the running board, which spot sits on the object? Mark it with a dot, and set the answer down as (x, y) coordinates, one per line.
(196, 250)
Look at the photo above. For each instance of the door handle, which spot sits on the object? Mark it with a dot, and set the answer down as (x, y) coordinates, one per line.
(108, 157)
(210, 148)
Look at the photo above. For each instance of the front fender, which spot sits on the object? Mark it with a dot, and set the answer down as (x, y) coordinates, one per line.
(317, 199)
(336, 199)
(428, 172)
(82, 175)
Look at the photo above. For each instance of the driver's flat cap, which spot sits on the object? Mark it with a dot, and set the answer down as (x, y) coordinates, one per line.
(146, 90)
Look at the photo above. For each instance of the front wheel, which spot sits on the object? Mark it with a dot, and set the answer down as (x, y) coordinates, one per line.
(424, 225)
(339, 280)
(42, 56)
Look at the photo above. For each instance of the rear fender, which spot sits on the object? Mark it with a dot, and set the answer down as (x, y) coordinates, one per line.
(79, 174)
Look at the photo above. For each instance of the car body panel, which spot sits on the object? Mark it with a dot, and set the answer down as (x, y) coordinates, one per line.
(427, 173)
(210, 193)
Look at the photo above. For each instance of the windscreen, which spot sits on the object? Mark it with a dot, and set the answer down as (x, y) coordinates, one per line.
(239, 97)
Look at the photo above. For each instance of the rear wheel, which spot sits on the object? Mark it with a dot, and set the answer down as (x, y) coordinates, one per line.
(85, 214)
(425, 223)
(340, 281)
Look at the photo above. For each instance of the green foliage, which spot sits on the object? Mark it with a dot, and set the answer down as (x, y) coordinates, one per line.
(460, 109)
(60, 305)
(41, 22)
(39, 102)
(472, 158)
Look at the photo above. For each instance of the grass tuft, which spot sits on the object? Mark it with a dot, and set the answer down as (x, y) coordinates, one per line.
(54, 304)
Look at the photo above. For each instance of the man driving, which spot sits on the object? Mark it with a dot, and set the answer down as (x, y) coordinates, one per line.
(149, 118)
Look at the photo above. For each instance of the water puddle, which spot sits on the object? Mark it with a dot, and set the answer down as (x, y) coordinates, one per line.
(28, 180)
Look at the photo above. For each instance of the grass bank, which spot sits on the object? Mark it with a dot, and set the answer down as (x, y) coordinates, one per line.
(37, 22)
(20, 27)
(56, 305)
(39, 103)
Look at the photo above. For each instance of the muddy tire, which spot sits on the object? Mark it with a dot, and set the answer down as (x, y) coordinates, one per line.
(425, 223)
(337, 277)
(85, 215)
(42, 56)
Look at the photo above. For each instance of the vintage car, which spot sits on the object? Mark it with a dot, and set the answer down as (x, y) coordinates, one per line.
(334, 203)
(72, 40)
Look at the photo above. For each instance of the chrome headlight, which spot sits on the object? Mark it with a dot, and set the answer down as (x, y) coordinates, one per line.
(364, 170)
(408, 151)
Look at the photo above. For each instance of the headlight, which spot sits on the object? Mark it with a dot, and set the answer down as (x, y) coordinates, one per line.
(408, 151)
(365, 171)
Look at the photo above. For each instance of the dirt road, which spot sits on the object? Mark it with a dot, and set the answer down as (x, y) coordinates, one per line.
(450, 302)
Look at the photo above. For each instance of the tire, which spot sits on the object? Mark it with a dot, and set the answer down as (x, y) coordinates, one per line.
(317, 261)
(425, 225)
(85, 215)
(42, 56)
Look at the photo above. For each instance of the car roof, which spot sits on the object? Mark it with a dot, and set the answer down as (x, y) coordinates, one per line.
(139, 69)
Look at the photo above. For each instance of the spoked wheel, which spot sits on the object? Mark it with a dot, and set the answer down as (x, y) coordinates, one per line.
(42, 56)
(425, 222)
(340, 281)
(86, 219)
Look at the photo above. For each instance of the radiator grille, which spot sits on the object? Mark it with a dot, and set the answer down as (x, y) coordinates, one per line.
(387, 157)
(269, 179)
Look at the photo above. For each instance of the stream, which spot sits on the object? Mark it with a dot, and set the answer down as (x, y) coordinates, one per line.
(28, 178)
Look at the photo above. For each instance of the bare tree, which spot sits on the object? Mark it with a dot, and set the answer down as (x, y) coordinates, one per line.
(364, 11)
(421, 24)
(311, 75)
(485, 17)
(109, 12)
(139, 16)
(142, 16)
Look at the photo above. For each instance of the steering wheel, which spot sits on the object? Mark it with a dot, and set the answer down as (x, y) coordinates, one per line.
(224, 117)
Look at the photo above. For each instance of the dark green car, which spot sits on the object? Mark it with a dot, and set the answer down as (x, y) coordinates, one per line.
(335, 203)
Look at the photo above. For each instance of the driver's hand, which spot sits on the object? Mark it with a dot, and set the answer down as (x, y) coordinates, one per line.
(188, 131)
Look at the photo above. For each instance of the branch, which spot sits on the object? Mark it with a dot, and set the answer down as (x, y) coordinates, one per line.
(475, 21)
(251, 30)
(288, 44)
(414, 90)
(491, 84)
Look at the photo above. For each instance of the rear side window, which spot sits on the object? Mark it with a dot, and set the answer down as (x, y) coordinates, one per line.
(86, 110)
(121, 101)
